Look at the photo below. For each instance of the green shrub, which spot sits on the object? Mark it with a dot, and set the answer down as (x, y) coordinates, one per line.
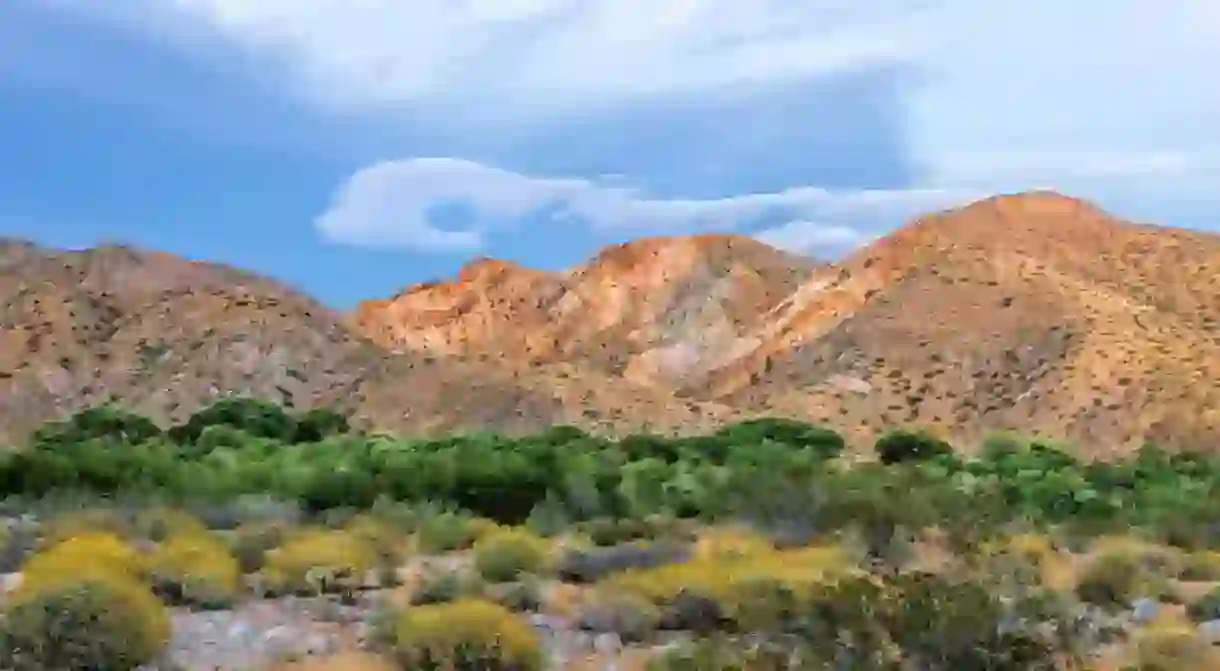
(1206, 607)
(605, 531)
(250, 544)
(586, 566)
(631, 616)
(727, 653)
(160, 523)
(445, 586)
(763, 604)
(447, 532)
(390, 546)
(1123, 570)
(16, 543)
(822, 441)
(506, 555)
(519, 596)
(906, 446)
(102, 422)
(256, 417)
(93, 521)
(467, 635)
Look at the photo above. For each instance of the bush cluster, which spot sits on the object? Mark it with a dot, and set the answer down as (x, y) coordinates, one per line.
(809, 561)
(83, 603)
(465, 635)
(508, 555)
(195, 568)
(780, 476)
(319, 561)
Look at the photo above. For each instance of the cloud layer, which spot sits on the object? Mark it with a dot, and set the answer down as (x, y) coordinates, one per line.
(1034, 76)
(397, 204)
(1117, 105)
(567, 53)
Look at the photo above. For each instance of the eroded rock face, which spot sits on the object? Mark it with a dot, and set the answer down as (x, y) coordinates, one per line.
(164, 336)
(656, 310)
(1033, 311)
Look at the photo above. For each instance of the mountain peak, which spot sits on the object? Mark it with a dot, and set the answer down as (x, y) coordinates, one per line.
(1042, 202)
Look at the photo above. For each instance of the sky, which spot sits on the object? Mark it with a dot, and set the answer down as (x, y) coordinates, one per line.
(353, 148)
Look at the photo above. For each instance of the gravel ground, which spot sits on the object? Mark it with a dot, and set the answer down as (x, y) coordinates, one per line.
(262, 633)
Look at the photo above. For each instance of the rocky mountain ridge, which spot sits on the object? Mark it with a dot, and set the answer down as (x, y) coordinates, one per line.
(1035, 312)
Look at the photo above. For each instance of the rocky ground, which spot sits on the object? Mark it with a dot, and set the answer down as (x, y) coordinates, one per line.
(266, 633)
(260, 634)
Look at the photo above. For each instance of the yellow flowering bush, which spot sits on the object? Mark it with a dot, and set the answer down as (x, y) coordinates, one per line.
(82, 556)
(390, 546)
(83, 603)
(449, 531)
(89, 624)
(317, 562)
(731, 544)
(196, 569)
(1033, 556)
(1122, 569)
(507, 554)
(68, 525)
(157, 524)
(1203, 565)
(733, 584)
(1170, 646)
(252, 541)
(465, 635)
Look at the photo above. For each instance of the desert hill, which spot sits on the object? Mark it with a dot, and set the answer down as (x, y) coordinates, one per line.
(164, 336)
(1033, 311)
(655, 310)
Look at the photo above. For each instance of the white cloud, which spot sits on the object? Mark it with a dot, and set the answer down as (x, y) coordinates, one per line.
(392, 203)
(1058, 93)
(811, 238)
(1118, 105)
(558, 52)
(1010, 94)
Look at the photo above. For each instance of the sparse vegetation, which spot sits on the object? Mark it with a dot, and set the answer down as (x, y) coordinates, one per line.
(761, 541)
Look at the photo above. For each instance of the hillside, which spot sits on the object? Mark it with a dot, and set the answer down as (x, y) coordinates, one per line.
(1033, 312)
(655, 310)
(163, 336)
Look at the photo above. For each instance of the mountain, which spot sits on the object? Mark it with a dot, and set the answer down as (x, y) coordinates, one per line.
(1034, 312)
(653, 311)
(164, 336)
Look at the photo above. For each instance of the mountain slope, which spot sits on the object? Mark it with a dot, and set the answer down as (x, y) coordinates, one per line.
(1033, 312)
(653, 310)
(163, 336)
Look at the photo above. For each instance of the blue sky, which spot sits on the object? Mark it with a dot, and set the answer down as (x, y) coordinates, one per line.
(353, 150)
